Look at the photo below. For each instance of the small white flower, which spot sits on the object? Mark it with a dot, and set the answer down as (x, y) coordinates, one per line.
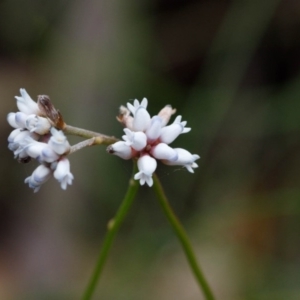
(26, 104)
(40, 175)
(18, 140)
(42, 152)
(38, 124)
(20, 119)
(11, 119)
(137, 140)
(121, 149)
(136, 104)
(185, 158)
(141, 119)
(59, 142)
(20, 151)
(62, 173)
(153, 131)
(171, 132)
(15, 133)
(147, 166)
(163, 151)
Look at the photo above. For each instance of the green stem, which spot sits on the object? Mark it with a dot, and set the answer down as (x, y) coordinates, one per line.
(113, 227)
(183, 238)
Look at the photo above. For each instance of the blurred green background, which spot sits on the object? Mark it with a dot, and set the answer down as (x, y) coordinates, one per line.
(231, 68)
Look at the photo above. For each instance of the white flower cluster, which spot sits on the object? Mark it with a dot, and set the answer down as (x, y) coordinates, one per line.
(34, 137)
(148, 138)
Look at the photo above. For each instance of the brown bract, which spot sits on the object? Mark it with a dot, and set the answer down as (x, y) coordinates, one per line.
(48, 110)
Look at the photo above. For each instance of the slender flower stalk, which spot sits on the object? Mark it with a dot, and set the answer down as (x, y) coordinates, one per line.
(113, 228)
(183, 238)
(86, 143)
(101, 138)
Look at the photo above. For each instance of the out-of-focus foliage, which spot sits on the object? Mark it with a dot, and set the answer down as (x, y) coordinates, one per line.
(231, 68)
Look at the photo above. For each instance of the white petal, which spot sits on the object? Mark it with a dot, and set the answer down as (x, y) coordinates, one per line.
(26, 104)
(141, 120)
(48, 155)
(163, 151)
(20, 138)
(137, 140)
(58, 142)
(13, 134)
(136, 105)
(20, 119)
(144, 103)
(34, 149)
(11, 120)
(41, 151)
(185, 158)
(154, 130)
(171, 132)
(121, 149)
(40, 175)
(62, 173)
(146, 165)
(38, 124)
(131, 108)
(20, 145)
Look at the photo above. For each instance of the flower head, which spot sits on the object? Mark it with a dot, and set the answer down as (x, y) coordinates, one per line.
(148, 139)
(34, 137)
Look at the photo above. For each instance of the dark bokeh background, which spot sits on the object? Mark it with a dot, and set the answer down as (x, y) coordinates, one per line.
(231, 68)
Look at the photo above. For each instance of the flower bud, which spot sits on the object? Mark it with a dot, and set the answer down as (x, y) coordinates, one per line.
(146, 165)
(40, 175)
(137, 140)
(121, 149)
(11, 119)
(185, 158)
(171, 132)
(41, 152)
(20, 119)
(141, 120)
(58, 142)
(38, 124)
(26, 104)
(153, 132)
(163, 151)
(136, 104)
(62, 173)
(166, 113)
